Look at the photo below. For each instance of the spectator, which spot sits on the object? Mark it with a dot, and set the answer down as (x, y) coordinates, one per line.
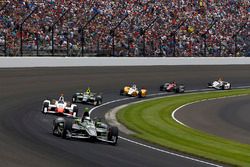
(183, 27)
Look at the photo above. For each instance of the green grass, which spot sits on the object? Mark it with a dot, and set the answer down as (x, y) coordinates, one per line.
(152, 121)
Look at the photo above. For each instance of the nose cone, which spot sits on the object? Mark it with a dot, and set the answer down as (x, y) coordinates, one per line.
(60, 110)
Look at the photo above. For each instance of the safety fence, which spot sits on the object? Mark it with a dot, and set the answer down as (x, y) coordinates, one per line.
(84, 31)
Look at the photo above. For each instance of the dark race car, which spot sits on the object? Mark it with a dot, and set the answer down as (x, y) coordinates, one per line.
(87, 97)
(172, 87)
(85, 128)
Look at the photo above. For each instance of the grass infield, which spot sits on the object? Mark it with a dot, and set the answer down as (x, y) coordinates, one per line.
(152, 121)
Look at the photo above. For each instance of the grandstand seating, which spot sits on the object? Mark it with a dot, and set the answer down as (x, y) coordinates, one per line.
(182, 28)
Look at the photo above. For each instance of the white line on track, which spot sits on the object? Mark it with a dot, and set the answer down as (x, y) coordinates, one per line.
(198, 101)
(154, 148)
(170, 153)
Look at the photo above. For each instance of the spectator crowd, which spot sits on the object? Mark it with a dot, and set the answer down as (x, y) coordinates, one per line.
(133, 27)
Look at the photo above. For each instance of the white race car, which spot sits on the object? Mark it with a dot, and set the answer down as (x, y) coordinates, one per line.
(59, 107)
(220, 85)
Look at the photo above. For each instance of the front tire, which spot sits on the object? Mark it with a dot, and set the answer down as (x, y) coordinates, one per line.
(122, 92)
(140, 94)
(67, 127)
(74, 99)
(113, 135)
(45, 108)
(75, 111)
(57, 130)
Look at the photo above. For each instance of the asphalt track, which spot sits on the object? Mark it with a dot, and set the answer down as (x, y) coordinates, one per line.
(25, 133)
(226, 117)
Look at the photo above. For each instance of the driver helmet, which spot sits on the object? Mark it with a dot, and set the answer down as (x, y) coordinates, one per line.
(134, 86)
(88, 91)
(85, 114)
(61, 98)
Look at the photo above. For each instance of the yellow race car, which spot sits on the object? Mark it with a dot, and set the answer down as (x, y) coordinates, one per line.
(133, 91)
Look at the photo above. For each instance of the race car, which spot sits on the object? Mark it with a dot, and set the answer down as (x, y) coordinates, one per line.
(85, 128)
(87, 97)
(133, 91)
(220, 85)
(172, 87)
(59, 107)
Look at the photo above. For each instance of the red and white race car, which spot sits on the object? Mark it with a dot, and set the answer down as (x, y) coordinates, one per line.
(59, 107)
(172, 87)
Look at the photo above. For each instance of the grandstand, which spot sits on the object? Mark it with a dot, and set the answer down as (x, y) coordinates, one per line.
(124, 28)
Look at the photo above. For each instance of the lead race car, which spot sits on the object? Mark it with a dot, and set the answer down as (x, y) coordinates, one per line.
(220, 85)
(172, 87)
(85, 128)
(87, 97)
(59, 107)
(133, 91)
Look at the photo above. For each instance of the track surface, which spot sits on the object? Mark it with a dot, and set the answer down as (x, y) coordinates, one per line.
(227, 117)
(25, 133)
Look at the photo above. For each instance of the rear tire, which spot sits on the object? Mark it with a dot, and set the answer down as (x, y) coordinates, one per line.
(95, 103)
(177, 90)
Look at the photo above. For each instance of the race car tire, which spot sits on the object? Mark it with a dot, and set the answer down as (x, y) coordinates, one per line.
(177, 90)
(121, 92)
(113, 135)
(140, 94)
(75, 111)
(45, 107)
(223, 87)
(67, 128)
(55, 129)
(97, 102)
(161, 88)
(74, 99)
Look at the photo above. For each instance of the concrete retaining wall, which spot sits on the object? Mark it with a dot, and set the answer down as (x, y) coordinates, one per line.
(16, 62)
